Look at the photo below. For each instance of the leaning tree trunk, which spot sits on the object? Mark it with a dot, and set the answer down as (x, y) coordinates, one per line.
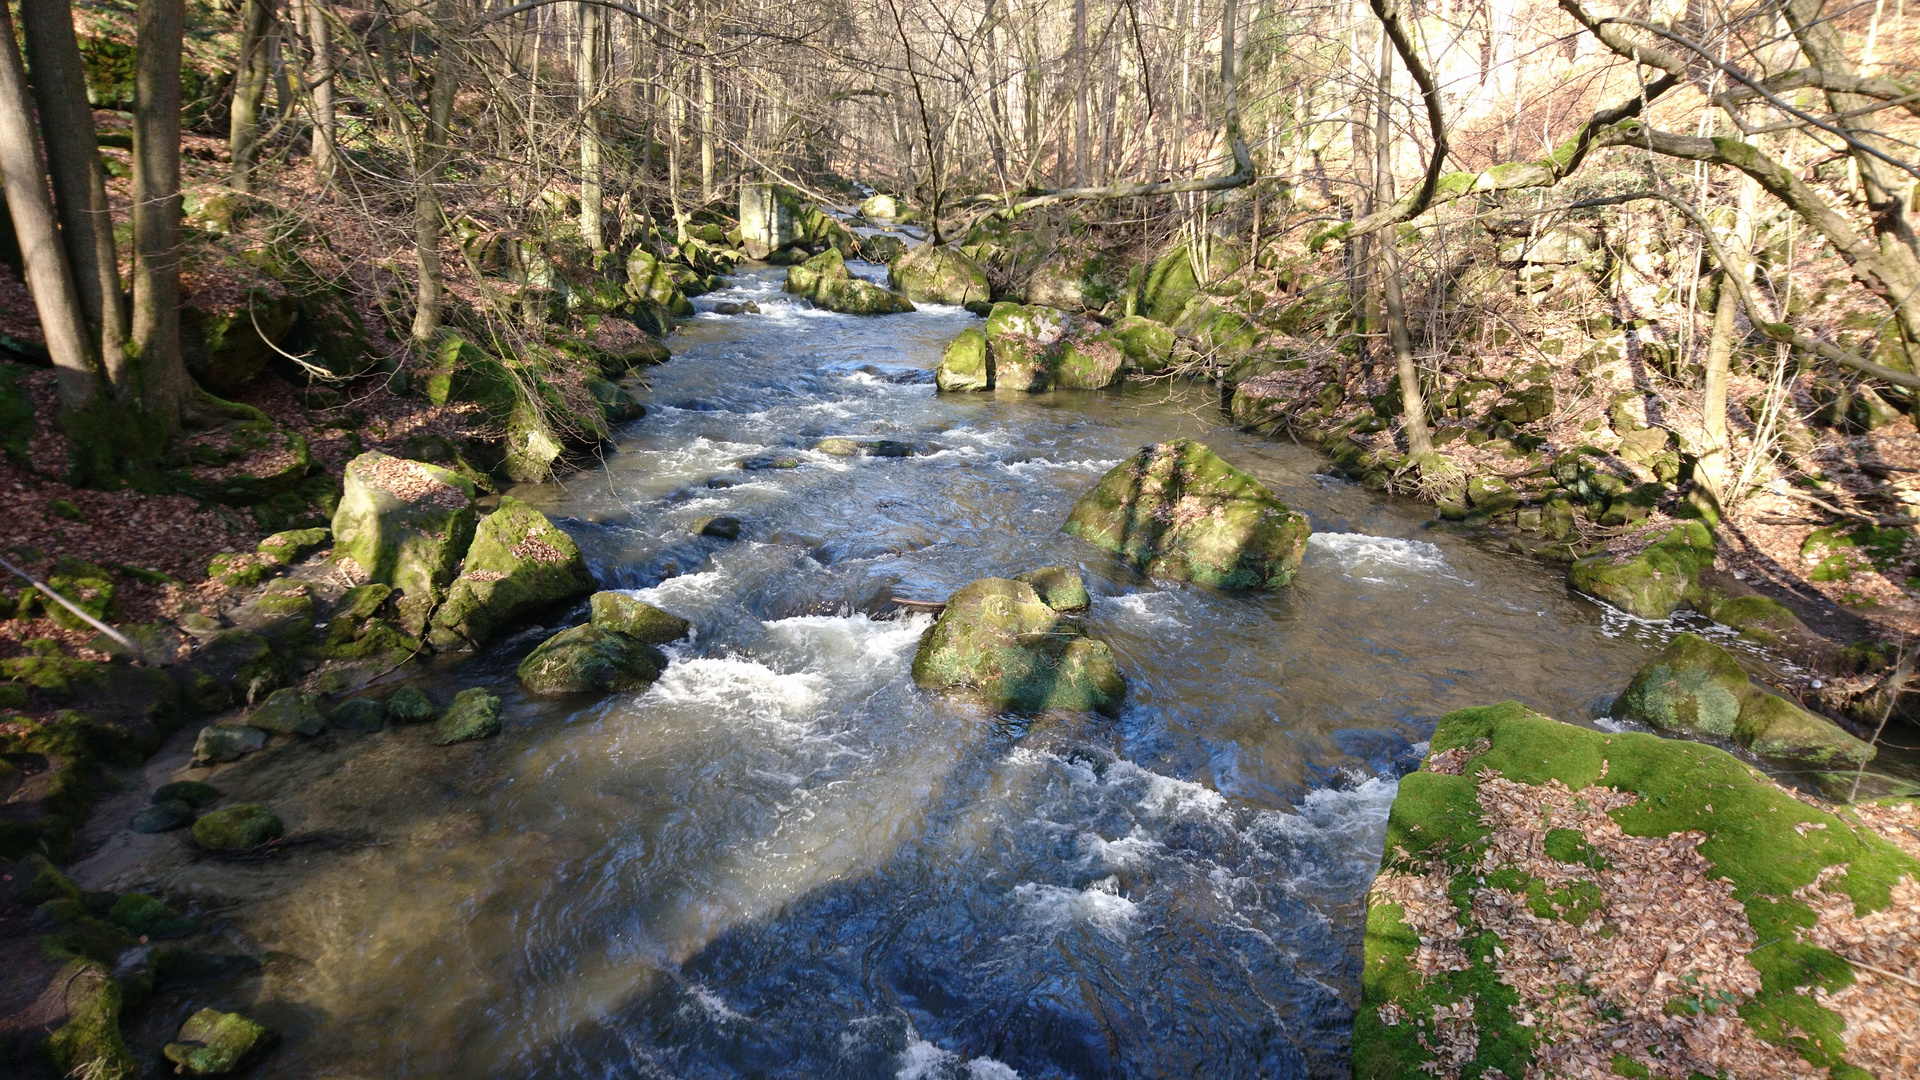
(249, 90)
(41, 254)
(430, 160)
(1412, 401)
(79, 181)
(158, 386)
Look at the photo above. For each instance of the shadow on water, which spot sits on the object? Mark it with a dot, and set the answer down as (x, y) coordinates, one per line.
(785, 860)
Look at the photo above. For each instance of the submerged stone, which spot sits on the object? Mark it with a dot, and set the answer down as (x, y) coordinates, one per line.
(409, 705)
(588, 659)
(474, 714)
(718, 527)
(637, 619)
(147, 916)
(191, 792)
(1176, 510)
(519, 563)
(237, 828)
(999, 638)
(226, 742)
(163, 815)
(214, 1043)
(359, 714)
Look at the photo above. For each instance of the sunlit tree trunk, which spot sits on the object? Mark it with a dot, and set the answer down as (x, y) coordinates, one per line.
(430, 160)
(249, 90)
(590, 194)
(1712, 470)
(158, 384)
(1412, 401)
(326, 161)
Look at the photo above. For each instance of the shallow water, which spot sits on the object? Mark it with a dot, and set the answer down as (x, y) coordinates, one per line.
(784, 860)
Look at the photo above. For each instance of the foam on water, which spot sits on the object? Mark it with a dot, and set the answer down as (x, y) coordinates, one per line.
(1099, 905)
(1142, 607)
(743, 689)
(1380, 560)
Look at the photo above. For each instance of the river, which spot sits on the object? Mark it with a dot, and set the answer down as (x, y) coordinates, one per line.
(785, 860)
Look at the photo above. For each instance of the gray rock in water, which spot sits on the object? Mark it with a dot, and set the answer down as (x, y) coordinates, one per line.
(999, 638)
(226, 742)
(723, 528)
(289, 712)
(622, 614)
(588, 659)
(359, 714)
(163, 817)
(729, 308)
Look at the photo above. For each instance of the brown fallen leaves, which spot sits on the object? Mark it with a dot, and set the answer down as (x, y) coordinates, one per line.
(1882, 1007)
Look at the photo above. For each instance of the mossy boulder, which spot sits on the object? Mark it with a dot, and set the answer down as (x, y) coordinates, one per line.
(1059, 587)
(92, 588)
(825, 281)
(148, 916)
(1697, 687)
(963, 366)
(617, 402)
(294, 544)
(1000, 639)
(1462, 919)
(409, 705)
(637, 619)
(1176, 510)
(1170, 285)
(938, 274)
(404, 523)
(882, 249)
(1148, 345)
(358, 714)
(1759, 618)
(191, 792)
(1024, 345)
(1654, 583)
(162, 816)
(880, 207)
(214, 1043)
(227, 348)
(218, 743)
(588, 659)
(237, 664)
(289, 712)
(1491, 495)
(238, 828)
(89, 1044)
(474, 714)
(519, 563)
(1090, 359)
(1076, 280)
(283, 613)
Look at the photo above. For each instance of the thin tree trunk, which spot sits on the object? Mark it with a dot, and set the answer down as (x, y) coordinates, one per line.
(706, 130)
(427, 225)
(79, 181)
(159, 387)
(42, 257)
(326, 157)
(1412, 401)
(1712, 470)
(249, 90)
(590, 194)
(1079, 68)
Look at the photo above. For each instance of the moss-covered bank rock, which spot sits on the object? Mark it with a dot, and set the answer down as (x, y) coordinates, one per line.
(404, 523)
(963, 366)
(519, 563)
(588, 659)
(999, 638)
(637, 619)
(474, 714)
(1539, 877)
(289, 712)
(1033, 348)
(89, 1043)
(237, 828)
(227, 742)
(1655, 583)
(1176, 510)
(824, 280)
(1697, 687)
(937, 274)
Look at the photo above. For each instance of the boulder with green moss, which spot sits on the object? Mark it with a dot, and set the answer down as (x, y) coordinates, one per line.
(1697, 687)
(1176, 510)
(283, 613)
(218, 743)
(235, 665)
(1655, 582)
(474, 714)
(92, 588)
(409, 705)
(1059, 587)
(1000, 639)
(637, 619)
(825, 281)
(1759, 618)
(1076, 280)
(289, 712)
(1545, 886)
(238, 828)
(519, 563)
(89, 1044)
(1169, 286)
(215, 1043)
(404, 523)
(294, 544)
(588, 659)
(358, 714)
(1024, 344)
(963, 366)
(364, 626)
(939, 274)
(1148, 345)
(149, 917)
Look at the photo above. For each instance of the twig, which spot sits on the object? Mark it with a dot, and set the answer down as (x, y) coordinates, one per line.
(1896, 685)
(1880, 971)
(1781, 489)
(45, 590)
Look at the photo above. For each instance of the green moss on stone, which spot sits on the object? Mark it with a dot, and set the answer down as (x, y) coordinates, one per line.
(237, 828)
(289, 712)
(938, 274)
(227, 742)
(1059, 587)
(622, 614)
(89, 1044)
(474, 714)
(963, 366)
(404, 523)
(1760, 618)
(589, 659)
(213, 1043)
(1654, 583)
(999, 638)
(150, 917)
(1176, 510)
(519, 563)
(409, 705)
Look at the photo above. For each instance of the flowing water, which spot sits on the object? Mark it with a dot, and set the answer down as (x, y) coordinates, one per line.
(785, 860)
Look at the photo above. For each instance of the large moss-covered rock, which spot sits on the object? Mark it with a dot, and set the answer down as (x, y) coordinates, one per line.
(1059, 587)
(294, 544)
(1176, 510)
(289, 712)
(1654, 583)
(226, 348)
(637, 619)
(1090, 358)
(999, 638)
(214, 1043)
(1544, 883)
(938, 274)
(235, 665)
(91, 588)
(474, 714)
(409, 705)
(89, 1044)
(964, 366)
(1697, 687)
(588, 659)
(283, 613)
(237, 828)
(1760, 618)
(227, 742)
(1024, 344)
(824, 280)
(1147, 344)
(1076, 280)
(519, 563)
(404, 523)
(1169, 287)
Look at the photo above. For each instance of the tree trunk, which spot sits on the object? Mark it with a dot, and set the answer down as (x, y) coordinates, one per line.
(249, 90)
(158, 387)
(1079, 68)
(54, 296)
(589, 78)
(706, 130)
(1712, 471)
(326, 157)
(432, 157)
(79, 181)
(1412, 401)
